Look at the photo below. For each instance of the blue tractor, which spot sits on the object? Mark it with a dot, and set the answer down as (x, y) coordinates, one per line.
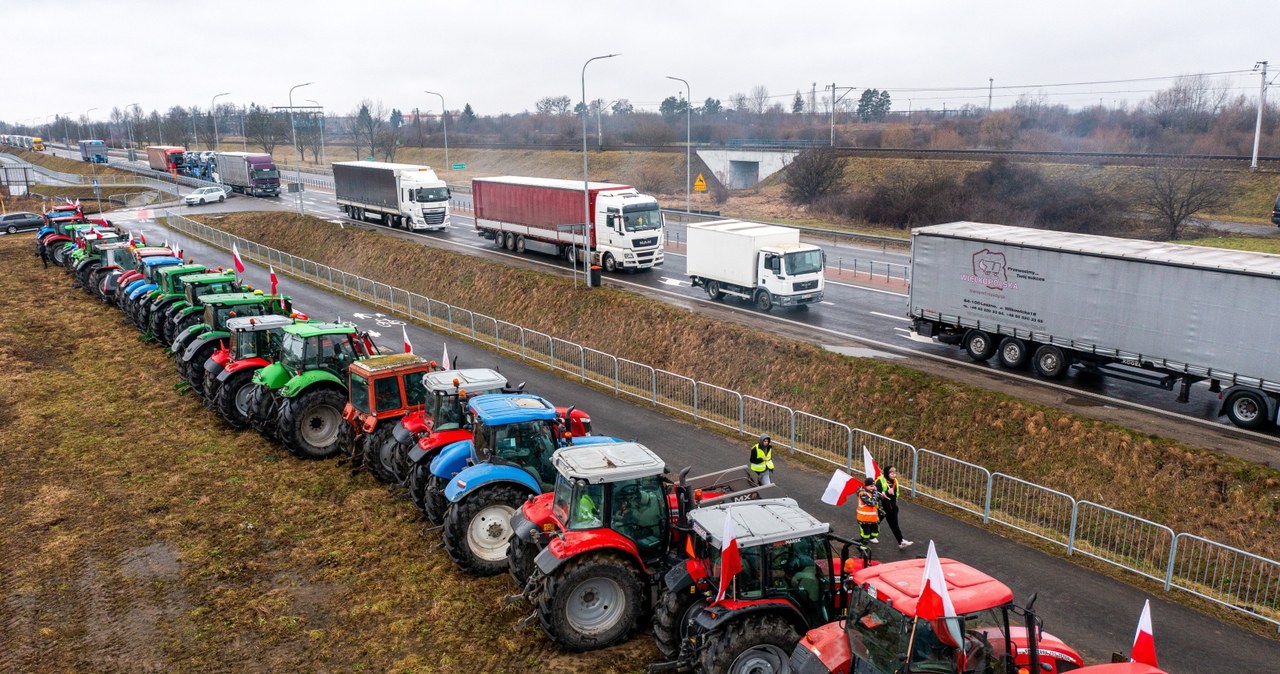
(488, 477)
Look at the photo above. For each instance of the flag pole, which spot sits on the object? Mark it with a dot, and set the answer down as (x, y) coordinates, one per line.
(911, 642)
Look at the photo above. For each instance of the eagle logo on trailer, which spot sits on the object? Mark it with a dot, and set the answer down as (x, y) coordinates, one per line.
(990, 270)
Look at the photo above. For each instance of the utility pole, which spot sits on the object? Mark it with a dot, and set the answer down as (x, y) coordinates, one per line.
(834, 100)
(1262, 101)
(991, 85)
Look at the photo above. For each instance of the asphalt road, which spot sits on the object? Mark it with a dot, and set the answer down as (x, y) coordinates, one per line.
(1092, 612)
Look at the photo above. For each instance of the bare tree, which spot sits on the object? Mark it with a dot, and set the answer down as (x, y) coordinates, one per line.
(264, 127)
(310, 134)
(554, 105)
(371, 120)
(1189, 104)
(759, 99)
(813, 174)
(1174, 193)
(740, 103)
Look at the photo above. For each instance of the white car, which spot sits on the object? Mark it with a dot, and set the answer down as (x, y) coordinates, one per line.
(205, 195)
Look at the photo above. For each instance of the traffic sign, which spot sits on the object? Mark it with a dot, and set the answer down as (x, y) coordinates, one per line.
(700, 185)
(459, 167)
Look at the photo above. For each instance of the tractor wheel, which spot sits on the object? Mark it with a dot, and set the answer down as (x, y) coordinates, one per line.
(233, 398)
(398, 453)
(184, 323)
(520, 556)
(590, 602)
(477, 528)
(419, 476)
(434, 504)
(195, 367)
(373, 443)
(673, 620)
(262, 412)
(211, 387)
(309, 423)
(756, 643)
(156, 324)
(99, 278)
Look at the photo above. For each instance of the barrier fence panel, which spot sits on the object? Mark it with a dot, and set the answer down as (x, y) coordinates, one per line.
(1118, 538)
(440, 314)
(822, 438)
(1226, 575)
(462, 321)
(637, 379)
(567, 357)
(675, 391)
(720, 406)
(486, 330)
(537, 347)
(511, 338)
(761, 416)
(1028, 507)
(887, 452)
(600, 367)
(952, 481)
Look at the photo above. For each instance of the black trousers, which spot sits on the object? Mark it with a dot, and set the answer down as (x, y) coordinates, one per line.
(891, 516)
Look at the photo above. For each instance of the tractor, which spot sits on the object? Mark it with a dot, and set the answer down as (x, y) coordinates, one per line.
(108, 258)
(187, 310)
(380, 391)
(791, 580)
(193, 346)
(507, 460)
(228, 379)
(591, 554)
(128, 295)
(874, 637)
(130, 271)
(300, 397)
(87, 256)
(169, 287)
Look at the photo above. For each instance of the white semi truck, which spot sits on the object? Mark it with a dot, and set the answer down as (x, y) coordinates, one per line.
(406, 195)
(763, 264)
(1151, 313)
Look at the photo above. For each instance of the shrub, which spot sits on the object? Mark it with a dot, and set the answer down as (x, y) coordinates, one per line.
(812, 174)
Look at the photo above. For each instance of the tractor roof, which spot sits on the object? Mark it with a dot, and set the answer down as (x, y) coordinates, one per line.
(114, 245)
(209, 277)
(152, 251)
(317, 329)
(901, 582)
(474, 379)
(257, 323)
(183, 269)
(613, 462)
(233, 298)
(160, 261)
(757, 522)
(508, 408)
(395, 361)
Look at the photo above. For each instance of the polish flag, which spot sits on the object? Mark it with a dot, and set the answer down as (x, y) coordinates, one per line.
(872, 468)
(444, 362)
(235, 256)
(408, 348)
(274, 281)
(177, 251)
(143, 239)
(935, 603)
(166, 243)
(840, 488)
(730, 559)
(1144, 641)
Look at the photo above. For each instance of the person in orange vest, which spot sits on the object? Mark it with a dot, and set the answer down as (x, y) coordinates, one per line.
(869, 511)
(762, 459)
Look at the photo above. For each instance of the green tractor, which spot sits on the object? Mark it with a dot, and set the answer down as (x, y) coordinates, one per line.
(193, 346)
(168, 287)
(300, 397)
(109, 257)
(179, 313)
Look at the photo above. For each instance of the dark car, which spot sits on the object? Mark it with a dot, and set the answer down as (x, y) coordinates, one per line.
(11, 223)
(1275, 212)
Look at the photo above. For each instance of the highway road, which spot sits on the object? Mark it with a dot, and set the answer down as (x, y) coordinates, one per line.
(1092, 612)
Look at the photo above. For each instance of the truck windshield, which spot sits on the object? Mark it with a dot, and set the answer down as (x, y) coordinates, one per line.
(431, 194)
(642, 218)
(804, 262)
(266, 174)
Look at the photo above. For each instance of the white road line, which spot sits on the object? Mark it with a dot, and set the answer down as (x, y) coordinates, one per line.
(897, 318)
(672, 282)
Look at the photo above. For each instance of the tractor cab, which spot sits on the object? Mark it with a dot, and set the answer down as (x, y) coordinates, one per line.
(617, 487)
(519, 430)
(384, 388)
(448, 390)
(329, 347)
(256, 336)
(254, 344)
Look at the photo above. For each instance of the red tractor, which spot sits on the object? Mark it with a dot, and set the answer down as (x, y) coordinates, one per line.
(381, 391)
(253, 345)
(614, 523)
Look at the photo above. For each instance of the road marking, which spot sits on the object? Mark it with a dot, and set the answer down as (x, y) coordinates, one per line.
(830, 304)
(673, 282)
(896, 318)
(914, 336)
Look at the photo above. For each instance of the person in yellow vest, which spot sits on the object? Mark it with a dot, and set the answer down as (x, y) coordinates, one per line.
(762, 459)
(888, 486)
(868, 511)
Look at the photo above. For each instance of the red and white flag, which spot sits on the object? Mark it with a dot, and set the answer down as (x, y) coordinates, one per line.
(730, 559)
(274, 281)
(444, 362)
(840, 488)
(408, 348)
(177, 251)
(1144, 641)
(235, 256)
(872, 468)
(143, 239)
(935, 602)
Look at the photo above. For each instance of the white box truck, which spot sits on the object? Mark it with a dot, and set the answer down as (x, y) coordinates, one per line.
(760, 263)
(1151, 313)
(398, 194)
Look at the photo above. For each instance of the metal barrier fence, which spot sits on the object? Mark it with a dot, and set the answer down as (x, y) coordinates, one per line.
(1240, 580)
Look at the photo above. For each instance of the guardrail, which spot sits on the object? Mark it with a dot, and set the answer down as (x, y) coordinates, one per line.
(1234, 578)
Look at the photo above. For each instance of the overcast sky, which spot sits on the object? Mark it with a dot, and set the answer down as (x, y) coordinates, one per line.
(503, 55)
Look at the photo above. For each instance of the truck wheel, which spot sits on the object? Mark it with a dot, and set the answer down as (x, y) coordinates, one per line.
(509, 241)
(979, 345)
(1013, 353)
(373, 458)
(434, 504)
(478, 528)
(520, 558)
(309, 423)
(610, 264)
(1050, 362)
(520, 244)
(673, 620)
(713, 290)
(764, 301)
(234, 397)
(759, 643)
(1247, 409)
(590, 602)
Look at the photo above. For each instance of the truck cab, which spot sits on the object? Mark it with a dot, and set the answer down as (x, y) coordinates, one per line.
(426, 199)
(629, 230)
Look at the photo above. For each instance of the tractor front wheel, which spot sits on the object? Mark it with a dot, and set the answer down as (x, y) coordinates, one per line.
(434, 504)
(673, 620)
(234, 397)
(477, 528)
(590, 602)
(309, 423)
(520, 556)
(262, 412)
(759, 643)
(195, 371)
(373, 454)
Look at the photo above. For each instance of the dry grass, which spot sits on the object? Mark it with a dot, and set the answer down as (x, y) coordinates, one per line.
(63, 164)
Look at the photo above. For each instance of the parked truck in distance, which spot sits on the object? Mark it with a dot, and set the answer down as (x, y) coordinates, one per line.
(247, 173)
(167, 158)
(93, 151)
(1157, 314)
(763, 264)
(522, 214)
(401, 195)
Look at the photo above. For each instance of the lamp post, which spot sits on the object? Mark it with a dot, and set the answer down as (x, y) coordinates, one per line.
(86, 116)
(66, 138)
(322, 158)
(586, 186)
(213, 111)
(47, 128)
(129, 122)
(444, 114)
(294, 131)
(688, 127)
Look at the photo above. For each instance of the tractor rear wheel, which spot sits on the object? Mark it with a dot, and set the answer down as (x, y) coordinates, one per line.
(419, 474)
(309, 423)
(434, 504)
(373, 443)
(590, 602)
(234, 397)
(262, 412)
(756, 643)
(398, 458)
(477, 528)
(195, 367)
(520, 556)
(673, 620)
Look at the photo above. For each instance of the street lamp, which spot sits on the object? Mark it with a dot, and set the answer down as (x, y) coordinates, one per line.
(294, 130)
(586, 186)
(213, 110)
(444, 114)
(66, 137)
(322, 157)
(688, 126)
(129, 121)
(86, 116)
